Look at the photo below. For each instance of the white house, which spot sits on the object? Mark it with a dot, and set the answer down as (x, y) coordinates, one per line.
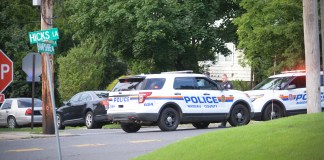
(228, 65)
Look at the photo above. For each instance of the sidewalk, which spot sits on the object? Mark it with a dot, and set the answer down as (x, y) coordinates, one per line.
(27, 135)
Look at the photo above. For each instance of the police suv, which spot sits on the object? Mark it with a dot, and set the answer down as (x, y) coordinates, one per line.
(281, 95)
(171, 98)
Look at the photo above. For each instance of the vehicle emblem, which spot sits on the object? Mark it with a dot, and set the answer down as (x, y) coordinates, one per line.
(223, 98)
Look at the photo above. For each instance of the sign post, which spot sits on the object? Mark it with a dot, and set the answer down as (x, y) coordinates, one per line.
(29, 67)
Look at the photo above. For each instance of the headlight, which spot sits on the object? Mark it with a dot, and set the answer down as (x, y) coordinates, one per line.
(254, 97)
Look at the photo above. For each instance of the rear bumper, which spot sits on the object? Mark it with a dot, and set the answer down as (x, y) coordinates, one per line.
(133, 117)
(101, 118)
(27, 120)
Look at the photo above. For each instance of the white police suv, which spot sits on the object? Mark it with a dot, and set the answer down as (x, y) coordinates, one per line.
(281, 95)
(170, 98)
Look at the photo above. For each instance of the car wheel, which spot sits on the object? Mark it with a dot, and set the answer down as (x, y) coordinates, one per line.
(200, 125)
(240, 115)
(59, 122)
(169, 120)
(12, 122)
(269, 114)
(130, 127)
(89, 120)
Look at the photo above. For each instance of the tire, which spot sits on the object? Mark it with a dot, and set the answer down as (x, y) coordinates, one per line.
(169, 120)
(240, 115)
(89, 120)
(267, 113)
(12, 122)
(59, 122)
(201, 125)
(130, 127)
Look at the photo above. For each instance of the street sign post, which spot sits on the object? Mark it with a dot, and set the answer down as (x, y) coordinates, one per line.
(43, 35)
(32, 66)
(6, 71)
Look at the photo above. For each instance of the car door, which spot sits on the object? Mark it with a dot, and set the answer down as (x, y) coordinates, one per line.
(68, 111)
(6, 106)
(297, 97)
(80, 108)
(186, 87)
(214, 99)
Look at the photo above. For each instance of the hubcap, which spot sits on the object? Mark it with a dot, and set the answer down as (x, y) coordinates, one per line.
(11, 123)
(170, 118)
(240, 116)
(89, 119)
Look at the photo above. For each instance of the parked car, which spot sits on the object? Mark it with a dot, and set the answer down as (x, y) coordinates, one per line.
(282, 95)
(87, 108)
(171, 98)
(15, 112)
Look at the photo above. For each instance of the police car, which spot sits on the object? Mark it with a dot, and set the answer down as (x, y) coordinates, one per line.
(281, 95)
(171, 98)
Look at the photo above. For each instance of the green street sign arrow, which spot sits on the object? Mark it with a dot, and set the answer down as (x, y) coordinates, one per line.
(43, 35)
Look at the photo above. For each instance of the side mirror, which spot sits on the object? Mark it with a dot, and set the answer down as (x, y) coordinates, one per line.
(292, 86)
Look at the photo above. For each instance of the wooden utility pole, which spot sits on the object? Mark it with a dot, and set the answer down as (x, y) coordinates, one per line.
(312, 55)
(46, 23)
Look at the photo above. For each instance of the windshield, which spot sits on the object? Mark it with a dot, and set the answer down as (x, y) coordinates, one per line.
(276, 83)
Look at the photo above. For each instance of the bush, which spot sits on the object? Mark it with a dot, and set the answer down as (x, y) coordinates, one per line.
(241, 85)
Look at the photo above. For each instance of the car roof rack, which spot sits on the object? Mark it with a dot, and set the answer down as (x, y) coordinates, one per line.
(177, 72)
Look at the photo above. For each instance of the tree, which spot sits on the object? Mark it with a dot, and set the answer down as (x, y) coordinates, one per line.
(80, 70)
(18, 17)
(271, 31)
(153, 35)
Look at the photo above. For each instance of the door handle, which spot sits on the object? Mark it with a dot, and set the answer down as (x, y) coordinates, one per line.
(7, 111)
(177, 93)
(206, 94)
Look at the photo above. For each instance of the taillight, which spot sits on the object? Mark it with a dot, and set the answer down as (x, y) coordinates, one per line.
(28, 112)
(142, 96)
(105, 103)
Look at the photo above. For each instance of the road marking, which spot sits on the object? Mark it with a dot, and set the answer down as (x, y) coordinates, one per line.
(146, 141)
(26, 150)
(89, 145)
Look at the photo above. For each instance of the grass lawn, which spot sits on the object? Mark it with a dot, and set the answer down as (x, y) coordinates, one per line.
(296, 137)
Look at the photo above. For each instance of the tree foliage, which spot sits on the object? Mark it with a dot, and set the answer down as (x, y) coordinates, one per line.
(80, 70)
(271, 31)
(153, 35)
(17, 18)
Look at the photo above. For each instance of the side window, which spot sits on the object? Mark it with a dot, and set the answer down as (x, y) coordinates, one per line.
(205, 84)
(7, 104)
(300, 82)
(75, 98)
(153, 83)
(85, 97)
(185, 83)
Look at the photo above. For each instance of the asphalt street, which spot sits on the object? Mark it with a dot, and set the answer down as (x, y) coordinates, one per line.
(96, 144)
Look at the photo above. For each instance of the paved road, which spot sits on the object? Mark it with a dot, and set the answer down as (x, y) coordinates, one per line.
(96, 144)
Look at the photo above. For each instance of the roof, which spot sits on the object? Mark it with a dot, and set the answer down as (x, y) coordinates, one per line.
(291, 74)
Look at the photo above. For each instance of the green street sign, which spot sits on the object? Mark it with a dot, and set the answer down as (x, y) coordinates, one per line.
(45, 47)
(43, 35)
